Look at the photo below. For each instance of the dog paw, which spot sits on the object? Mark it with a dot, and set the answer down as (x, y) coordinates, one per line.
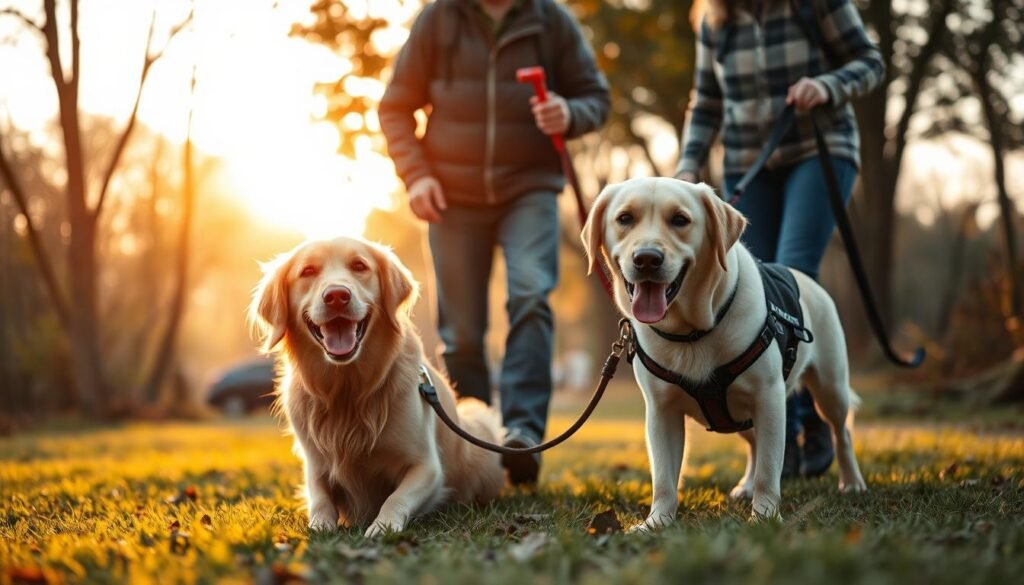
(854, 487)
(323, 517)
(381, 527)
(742, 492)
(653, 523)
(769, 515)
(765, 512)
(322, 523)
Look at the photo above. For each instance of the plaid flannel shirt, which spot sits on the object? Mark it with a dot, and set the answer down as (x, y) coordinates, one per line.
(744, 70)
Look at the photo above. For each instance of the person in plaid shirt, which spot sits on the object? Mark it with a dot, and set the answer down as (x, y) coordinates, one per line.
(755, 58)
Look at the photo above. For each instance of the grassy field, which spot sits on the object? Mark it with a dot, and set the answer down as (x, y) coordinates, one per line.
(215, 502)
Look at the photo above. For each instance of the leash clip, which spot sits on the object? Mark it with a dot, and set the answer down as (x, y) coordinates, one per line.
(625, 339)
(426, 386)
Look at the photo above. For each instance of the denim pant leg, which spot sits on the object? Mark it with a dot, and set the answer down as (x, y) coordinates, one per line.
(462, 246)
(761, 204)
(807, 221)
(528, 235)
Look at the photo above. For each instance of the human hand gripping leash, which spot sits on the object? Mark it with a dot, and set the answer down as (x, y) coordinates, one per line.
(535, 76)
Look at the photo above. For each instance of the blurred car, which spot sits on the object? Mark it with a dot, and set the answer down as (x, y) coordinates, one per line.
(244, 389)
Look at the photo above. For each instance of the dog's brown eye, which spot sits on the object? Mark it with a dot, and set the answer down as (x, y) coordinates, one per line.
(625, 219)
(680, 220)
(359, 266)
(308, 271)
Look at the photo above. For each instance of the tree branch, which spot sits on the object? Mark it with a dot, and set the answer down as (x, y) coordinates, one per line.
(50, 281)
(49, 29)
(24, 19)
(122, 142)
(166, 350)
(917, 75)
(641, 142)
(76, 60)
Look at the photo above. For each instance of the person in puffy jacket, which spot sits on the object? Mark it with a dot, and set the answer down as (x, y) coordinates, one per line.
(484, 174)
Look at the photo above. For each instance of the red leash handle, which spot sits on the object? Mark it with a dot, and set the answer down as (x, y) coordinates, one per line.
(535, 76)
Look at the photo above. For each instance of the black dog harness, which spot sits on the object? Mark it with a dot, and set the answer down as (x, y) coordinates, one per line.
(783, 324)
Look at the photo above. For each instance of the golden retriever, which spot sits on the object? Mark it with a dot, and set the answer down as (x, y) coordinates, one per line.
(695, 235)
(374, 453)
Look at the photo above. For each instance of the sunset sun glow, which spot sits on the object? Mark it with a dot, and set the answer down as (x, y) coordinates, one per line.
(254, 108)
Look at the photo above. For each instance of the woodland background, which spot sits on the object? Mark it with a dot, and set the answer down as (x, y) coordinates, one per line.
(128, 252)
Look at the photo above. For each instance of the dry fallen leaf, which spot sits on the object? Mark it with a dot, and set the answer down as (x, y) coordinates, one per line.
(525, 518)
(406, 545)
(508, 529)
(853, 535)
(949, 472)
(189, 494)
(26, 576)
(604, 523)
(999, 483)
(180, 542)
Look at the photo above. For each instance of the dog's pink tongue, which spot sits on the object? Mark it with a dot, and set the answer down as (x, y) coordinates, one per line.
(339, 336)
(649, 304)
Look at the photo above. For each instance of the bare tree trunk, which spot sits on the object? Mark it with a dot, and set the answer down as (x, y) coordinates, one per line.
(957, 253)
(876, 211)
(1012, 300)
(51, 284)
(166, 350)
(882, 148)
(81, 250)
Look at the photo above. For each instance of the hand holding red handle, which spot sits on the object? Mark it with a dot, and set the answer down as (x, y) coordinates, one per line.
(535, 76)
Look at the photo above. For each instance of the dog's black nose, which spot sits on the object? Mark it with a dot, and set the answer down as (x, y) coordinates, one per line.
(648, 259)
(337, 296)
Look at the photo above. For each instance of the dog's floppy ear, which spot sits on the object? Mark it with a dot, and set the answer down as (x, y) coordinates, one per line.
(725, 225)
(268, 312)
(593, 229)
(398, 289)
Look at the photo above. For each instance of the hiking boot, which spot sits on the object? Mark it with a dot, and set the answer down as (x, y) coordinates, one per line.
(523, 469)
(818, 448)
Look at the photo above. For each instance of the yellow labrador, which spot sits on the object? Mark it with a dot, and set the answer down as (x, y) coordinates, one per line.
(674, 254)
(373, 452)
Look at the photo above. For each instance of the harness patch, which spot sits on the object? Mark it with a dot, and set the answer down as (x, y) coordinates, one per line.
(783, 298)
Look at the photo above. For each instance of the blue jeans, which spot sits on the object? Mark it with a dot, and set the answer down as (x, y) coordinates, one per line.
(526, 230)
(791, 223)
(790, 216)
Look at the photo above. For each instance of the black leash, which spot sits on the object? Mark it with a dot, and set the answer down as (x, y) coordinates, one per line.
(835, 196)
(429, 393)
(782, 125)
